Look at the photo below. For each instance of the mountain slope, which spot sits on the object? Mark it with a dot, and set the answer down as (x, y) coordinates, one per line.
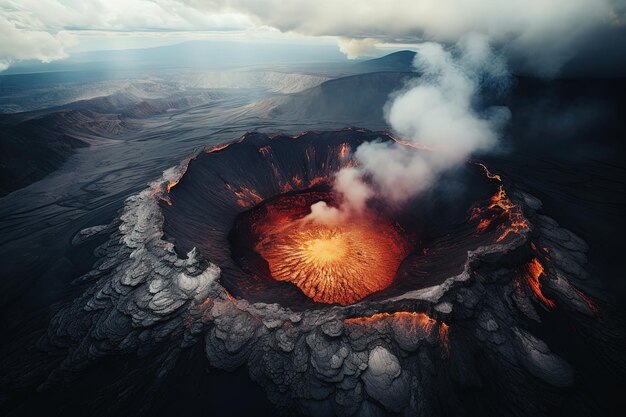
(401, 61)
(355, 100)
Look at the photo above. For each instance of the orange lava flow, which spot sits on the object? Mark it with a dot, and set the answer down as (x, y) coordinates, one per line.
(516, 220)
(412, 321)
(416, 145)
(444, 336)
(534, 270)
(592, 306)
(422, 320)
(246, 197)
(488, 173)
(163, 191)
(500, 206)
(171, 185)
(218, 148)
(340, 263)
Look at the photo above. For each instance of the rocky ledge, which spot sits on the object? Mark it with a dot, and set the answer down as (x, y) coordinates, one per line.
(419, 353)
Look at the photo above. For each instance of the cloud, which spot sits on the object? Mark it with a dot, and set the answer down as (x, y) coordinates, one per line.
(355, 48)
(540, 34)
(30, 44)
(43, 29)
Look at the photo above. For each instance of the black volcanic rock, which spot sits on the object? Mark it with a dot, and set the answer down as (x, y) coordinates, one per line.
(459, 346)
(37, 143)
(29, 151)
(357, 99)
(401, 61)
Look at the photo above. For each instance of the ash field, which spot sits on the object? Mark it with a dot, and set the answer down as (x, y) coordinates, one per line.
(162, 254)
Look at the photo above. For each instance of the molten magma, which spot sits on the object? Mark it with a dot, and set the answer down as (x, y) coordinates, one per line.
(339, 263)
(534, 270)
(500, 208)
(420, 325)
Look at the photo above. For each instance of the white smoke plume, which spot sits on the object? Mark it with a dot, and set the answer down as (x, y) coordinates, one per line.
(353, 192)
(355, 48)
(438, 111)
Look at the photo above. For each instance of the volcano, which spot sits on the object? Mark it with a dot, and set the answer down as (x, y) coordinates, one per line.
(380, 312)
(276, 255)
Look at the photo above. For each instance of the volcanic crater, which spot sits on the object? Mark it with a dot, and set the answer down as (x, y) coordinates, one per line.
(245, 207)
(373, 316)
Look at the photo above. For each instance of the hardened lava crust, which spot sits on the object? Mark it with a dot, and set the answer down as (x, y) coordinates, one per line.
(459, 292)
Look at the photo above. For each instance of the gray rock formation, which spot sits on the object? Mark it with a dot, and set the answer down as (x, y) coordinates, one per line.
(408, 355)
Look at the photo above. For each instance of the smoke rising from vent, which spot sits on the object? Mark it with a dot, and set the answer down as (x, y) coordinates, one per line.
(354, 194)
(440, 112)
(355, 48)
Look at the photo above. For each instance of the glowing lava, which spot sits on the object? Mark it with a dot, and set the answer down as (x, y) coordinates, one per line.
(340, 263)
(500, 208)
(419, 324)
(534, 272)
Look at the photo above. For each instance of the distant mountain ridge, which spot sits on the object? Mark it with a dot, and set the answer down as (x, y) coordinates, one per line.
(401, 61)
(357, 100)
(38, 142)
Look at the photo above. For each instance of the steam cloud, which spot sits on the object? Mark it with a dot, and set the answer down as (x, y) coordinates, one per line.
(355, 48)
(354, 193)
(437, 112)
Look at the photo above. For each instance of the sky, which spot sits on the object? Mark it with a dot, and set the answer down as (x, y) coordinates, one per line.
(541, 35)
